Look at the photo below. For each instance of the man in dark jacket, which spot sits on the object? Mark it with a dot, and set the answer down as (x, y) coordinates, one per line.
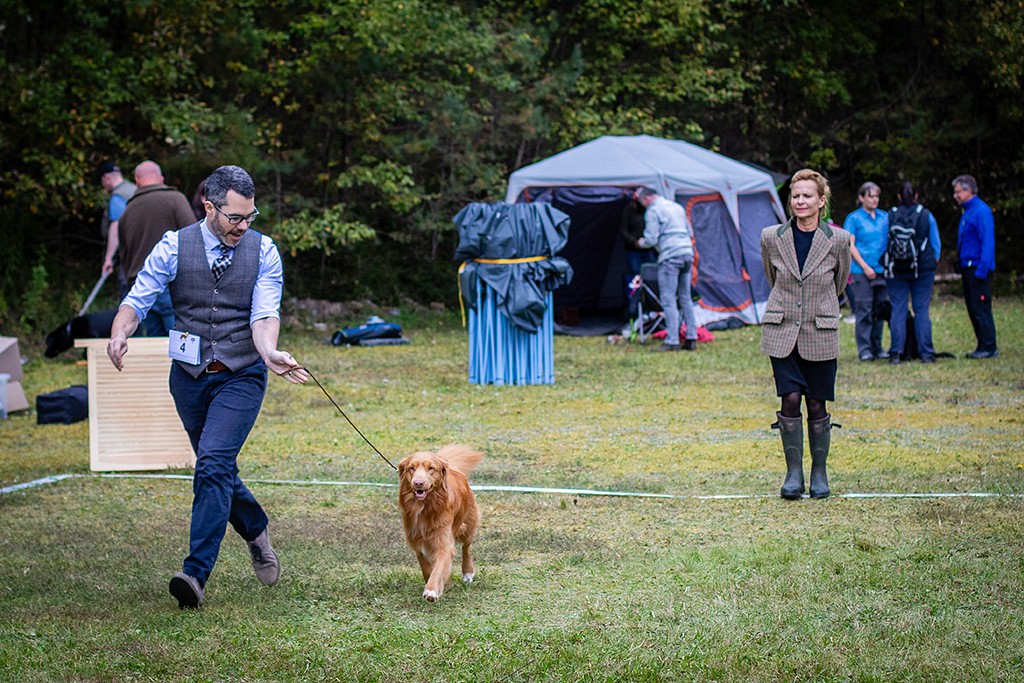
(154, 209)
(976, 250)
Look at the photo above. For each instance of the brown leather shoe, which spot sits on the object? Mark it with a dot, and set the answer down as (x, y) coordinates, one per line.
(264, 560)
(187, 591)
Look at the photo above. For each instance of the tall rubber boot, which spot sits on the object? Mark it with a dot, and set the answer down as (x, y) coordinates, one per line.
(819, 435)
(792, 431)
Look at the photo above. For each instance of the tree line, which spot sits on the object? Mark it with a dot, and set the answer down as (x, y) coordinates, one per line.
(368, 124)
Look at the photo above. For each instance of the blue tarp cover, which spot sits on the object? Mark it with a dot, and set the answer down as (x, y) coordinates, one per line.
(500, 231)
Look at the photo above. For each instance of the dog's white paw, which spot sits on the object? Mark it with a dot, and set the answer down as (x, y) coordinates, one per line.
(430, 595)
(467, 578)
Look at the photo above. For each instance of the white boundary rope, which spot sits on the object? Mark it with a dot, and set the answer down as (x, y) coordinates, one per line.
(513, 489)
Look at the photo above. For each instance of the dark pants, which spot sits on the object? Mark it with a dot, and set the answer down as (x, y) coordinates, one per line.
(865, 297)
(218, 411)
(978, 297)
(919, 292)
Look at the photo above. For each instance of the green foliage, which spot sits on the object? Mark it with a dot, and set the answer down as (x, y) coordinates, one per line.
(382, 118)
(35, 295)
(325, 232)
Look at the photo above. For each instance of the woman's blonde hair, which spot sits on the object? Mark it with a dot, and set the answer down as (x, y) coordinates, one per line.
(823, 189)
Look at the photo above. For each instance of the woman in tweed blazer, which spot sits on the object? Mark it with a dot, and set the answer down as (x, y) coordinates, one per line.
(807, 263)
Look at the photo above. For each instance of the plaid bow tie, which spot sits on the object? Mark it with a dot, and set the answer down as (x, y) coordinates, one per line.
(221, 263)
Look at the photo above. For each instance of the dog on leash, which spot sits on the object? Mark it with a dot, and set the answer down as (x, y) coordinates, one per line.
(438, 509)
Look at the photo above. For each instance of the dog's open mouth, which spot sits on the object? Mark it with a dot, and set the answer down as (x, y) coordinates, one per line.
(421, 493)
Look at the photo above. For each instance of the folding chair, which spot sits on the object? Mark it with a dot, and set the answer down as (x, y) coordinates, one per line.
(649, 315)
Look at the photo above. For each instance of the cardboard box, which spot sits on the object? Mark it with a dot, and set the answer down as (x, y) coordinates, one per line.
(10, 364)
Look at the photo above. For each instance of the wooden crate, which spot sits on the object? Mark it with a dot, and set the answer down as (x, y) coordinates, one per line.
(133, 424)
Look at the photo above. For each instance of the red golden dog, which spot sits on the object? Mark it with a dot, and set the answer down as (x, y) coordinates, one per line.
(439, 508)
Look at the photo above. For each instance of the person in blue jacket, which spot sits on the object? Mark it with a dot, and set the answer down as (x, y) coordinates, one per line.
(917, 284)
(869, 236)
(976, 250)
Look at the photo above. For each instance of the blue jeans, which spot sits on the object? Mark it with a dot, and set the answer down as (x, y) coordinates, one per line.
(160, 319)
(218, 411)
(919, 290)
(978, 297)
(674, 293)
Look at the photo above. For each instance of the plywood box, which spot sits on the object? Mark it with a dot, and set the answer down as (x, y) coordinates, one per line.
(133, 424)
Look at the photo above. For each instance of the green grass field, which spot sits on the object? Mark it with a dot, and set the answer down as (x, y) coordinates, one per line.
(569, 587)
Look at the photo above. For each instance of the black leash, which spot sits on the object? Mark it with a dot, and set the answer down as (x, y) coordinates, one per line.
(313, 377)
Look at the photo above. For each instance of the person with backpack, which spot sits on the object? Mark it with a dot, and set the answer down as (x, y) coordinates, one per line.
(909, 262)
(869, 236)
(976, 251)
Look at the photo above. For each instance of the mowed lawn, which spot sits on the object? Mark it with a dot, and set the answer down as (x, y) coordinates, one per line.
(723, 581)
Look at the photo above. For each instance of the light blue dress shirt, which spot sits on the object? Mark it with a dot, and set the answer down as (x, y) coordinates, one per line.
(162, 266)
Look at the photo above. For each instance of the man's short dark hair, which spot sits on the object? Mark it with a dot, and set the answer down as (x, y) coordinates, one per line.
(228, 178)
(107, 167)
(967, 181)
(645, 192)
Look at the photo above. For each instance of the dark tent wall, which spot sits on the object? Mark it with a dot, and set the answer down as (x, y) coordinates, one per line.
(728, 276)
(595, 247)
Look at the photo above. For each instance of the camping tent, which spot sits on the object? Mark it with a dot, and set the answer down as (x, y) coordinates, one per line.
(727, 203)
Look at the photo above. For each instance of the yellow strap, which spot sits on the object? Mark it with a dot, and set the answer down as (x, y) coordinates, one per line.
(505, 261)
(527, 259)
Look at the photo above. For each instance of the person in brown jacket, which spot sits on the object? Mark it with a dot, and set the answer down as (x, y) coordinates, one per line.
(807, 263)
(154, 209)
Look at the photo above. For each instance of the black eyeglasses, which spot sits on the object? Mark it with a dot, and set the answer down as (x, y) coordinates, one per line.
(235, 219)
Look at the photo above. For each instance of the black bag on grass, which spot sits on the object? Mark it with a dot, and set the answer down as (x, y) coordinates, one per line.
(374, 328)
(64, 406)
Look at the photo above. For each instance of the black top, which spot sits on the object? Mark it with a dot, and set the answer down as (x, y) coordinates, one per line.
(802, 241)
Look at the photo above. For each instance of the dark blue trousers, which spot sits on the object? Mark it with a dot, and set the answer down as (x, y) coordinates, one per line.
(919, 292)
(218, 411)
(978, 297)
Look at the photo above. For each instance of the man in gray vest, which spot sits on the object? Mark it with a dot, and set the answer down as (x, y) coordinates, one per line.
(226, 283)
(120, 191)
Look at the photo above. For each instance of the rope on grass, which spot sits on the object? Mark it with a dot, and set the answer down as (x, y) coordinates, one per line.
(510, 489)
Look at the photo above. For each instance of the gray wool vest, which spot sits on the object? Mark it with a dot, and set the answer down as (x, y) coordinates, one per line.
(125, 191)
(216, 310)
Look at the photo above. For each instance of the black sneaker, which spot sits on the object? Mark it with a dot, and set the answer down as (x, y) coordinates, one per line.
(668, 347)
(894, 359)
(187, 591)
(978, 355)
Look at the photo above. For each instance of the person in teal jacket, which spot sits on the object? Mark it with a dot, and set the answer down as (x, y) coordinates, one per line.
(869, 236)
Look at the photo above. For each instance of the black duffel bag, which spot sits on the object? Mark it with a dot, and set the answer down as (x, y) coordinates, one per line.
(64, 406)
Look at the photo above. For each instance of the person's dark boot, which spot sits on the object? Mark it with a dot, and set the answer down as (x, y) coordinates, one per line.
(819, 435)
(792, 431)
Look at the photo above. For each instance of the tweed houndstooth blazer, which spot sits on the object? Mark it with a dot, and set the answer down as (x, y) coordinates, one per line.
(803, 307)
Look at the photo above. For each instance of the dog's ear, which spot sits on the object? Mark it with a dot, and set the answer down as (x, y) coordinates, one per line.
(404, 465)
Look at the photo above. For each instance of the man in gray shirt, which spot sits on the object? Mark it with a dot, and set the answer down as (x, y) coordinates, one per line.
(668, 231)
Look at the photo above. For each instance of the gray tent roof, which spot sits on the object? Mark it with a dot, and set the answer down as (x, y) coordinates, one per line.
(669, 167)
